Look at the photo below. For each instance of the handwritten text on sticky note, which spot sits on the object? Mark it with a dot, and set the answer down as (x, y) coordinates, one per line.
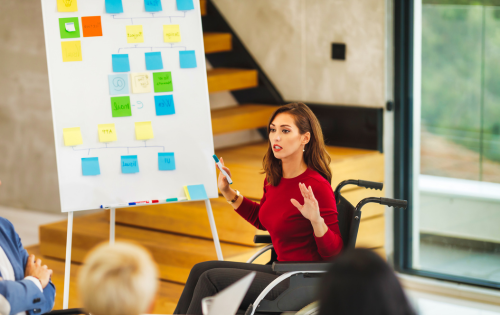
(162, 82)
(107, 132)
(67, 6)
(71, 51)
(135, 34)
(141, 82)
(171, 33)
(129, 164)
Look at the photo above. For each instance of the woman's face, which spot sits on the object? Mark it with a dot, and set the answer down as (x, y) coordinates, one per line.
(285, 137)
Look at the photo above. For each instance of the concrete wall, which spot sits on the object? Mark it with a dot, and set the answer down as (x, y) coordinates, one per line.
(289, 38)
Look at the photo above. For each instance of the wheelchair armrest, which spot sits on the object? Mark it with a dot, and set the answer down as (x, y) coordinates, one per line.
(300, 266)
(262, 239)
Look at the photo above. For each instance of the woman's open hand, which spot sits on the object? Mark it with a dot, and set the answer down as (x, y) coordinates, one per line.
(310, 208)
(222, 182)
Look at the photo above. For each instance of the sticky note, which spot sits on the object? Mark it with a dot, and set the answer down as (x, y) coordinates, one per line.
(107, 132)
(187, 59)
(120, 106)
(69, 27)
(72, 136)
(144, 130)
(130, 164)
(163, 82)
(91, 26)
(120, 63)
(90, 166)
(197, 192)
(171, 33)
(67, 6)
(166, 161)
(141, 82)
(186, 191)
(154, 61)
(164, 105)
(185, 5)
(118, 84)
(152, 5)
(135, 34)
(114, 6)
(71, 51)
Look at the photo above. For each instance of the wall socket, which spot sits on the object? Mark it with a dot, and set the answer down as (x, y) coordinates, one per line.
(338, 51)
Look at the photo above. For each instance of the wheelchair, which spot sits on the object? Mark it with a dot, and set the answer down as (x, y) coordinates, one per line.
(305, 276)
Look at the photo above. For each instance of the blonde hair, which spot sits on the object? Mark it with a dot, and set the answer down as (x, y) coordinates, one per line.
(118, 279)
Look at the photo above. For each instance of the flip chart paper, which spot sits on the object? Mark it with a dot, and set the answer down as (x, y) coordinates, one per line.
(183, 5)
(187, 59)
(107, 132)
(90, 166)
(118, 84)
(135, 34)
(171, 33)
(120, 63)
(144, 130)
(69, 27)
(152, 5)
(163, 82)
(130, 164)
(91, 26)
(72, 136)
(71, 51)
(120, 106)
(141, 82)
(166, 161)
(114, 6)
(197, 192)
(153, 61)
(164, 105)
(67, 6)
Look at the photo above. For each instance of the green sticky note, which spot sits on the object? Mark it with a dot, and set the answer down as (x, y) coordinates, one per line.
(163, 82)
(120, 106)
(69, 27)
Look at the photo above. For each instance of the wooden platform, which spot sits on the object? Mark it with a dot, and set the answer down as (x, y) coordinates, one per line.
(230, 79)
(242, 117)
(217, 42)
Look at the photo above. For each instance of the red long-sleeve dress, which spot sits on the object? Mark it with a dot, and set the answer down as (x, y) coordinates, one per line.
(292, 234)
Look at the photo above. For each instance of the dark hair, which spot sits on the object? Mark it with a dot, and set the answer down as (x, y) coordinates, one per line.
(315, 155)
(360, 282)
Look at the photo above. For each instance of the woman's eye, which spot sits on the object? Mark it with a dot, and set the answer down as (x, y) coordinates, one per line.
(286, 131)
(273, 130)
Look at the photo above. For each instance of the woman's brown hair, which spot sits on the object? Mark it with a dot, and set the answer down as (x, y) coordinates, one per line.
(315, 155)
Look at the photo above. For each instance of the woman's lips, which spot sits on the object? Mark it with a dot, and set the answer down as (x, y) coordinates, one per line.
(277, 148)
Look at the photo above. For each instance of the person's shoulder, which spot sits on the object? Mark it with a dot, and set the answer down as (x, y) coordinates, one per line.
(6, 224)
(316, 180)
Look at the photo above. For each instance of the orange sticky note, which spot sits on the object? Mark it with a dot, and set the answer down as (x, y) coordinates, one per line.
(67, 6)
(91, 26)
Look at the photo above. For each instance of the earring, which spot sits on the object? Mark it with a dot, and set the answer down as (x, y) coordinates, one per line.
(304, 149)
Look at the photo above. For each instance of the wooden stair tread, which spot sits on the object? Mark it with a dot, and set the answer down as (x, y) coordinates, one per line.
(241, 117)
(230, 79)
(175, 254)
(203, 7)
(217, 42)
(166, 300)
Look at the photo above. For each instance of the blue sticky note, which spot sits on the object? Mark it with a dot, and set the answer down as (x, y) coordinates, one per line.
(166, 161)
(154, 61)
(114, 6)
(130, 164)
(118, 84)
(164, 105)
(197, 192)
(152, 5)
(185, 5)
(90, 166)
(187, 59)
(120, 63)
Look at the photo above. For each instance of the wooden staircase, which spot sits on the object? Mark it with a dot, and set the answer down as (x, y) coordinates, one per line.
(178, 235)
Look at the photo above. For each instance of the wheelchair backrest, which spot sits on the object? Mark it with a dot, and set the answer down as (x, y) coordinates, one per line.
(347, 225)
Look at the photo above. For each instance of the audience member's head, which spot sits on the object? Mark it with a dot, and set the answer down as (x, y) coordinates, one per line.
(360, 282)
(118, 279)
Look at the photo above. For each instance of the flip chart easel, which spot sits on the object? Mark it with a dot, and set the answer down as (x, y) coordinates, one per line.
(112, 220)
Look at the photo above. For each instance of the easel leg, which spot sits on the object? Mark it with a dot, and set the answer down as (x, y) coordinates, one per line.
(67, 266)
(218, 250)
(112, 219)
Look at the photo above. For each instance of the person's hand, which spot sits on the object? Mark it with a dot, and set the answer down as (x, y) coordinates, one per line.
(35, 269)
(310, 208)
(222, 182)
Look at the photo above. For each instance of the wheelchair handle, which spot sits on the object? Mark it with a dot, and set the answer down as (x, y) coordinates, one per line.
(396, 203)
(358, 182)
(371, 185)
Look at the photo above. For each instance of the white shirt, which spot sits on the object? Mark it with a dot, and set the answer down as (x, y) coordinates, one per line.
(8, 274)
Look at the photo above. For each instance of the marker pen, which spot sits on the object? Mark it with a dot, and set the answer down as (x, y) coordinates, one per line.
(137, 202)
(114, 206)
(219, 164)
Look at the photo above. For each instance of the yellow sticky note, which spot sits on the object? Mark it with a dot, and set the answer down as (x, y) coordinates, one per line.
(141, 82)
(107, 132)
(186, 191)
(144, 130)
(171, 33)
(67, 6)
(71, 51)
(135, 34)
(72, 136)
